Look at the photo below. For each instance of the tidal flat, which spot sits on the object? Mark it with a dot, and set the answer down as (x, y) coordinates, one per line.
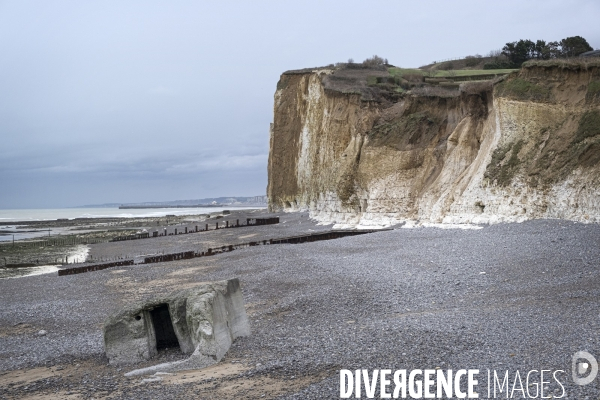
(66, 241)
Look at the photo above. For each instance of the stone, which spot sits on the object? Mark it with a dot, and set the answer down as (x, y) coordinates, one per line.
(202, 321)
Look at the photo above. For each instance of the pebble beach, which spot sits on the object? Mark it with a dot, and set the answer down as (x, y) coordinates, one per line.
(505, 297)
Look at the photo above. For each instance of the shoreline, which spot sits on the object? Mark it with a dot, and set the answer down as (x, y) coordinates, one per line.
(60, 215)
(32, 229)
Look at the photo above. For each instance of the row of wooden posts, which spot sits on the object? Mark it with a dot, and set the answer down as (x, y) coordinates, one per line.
(249, 222)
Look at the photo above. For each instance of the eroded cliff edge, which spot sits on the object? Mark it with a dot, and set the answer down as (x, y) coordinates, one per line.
(526, 146)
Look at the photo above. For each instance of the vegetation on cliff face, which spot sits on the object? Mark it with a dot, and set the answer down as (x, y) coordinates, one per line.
(550, 156)
(564, 152)
(407, 131)
(521, 89)
(593, 92)
(589, 126)
(502, 169)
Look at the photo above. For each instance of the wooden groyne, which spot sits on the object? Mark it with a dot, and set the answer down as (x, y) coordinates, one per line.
(186, 255)
(96, 267)
(185, 230)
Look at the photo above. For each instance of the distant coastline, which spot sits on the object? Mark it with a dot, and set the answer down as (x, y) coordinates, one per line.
(209, 202)
(181, 206)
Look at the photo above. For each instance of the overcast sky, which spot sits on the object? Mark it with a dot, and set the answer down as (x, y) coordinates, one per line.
(130, 101)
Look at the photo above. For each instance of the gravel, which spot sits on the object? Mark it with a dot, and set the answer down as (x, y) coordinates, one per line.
(505, 297)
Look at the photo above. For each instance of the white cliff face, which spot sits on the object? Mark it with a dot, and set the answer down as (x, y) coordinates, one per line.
(576, 197)
(476, 158)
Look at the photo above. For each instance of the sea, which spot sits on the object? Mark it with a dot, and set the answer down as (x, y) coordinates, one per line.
(72, 213)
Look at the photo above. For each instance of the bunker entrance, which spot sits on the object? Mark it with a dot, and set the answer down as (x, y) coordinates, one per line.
(163, 328)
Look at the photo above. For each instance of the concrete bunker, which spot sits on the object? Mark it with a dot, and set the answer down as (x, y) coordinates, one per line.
(202, 321)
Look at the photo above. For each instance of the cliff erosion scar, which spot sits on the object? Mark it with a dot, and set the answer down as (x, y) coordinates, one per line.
(356, 149)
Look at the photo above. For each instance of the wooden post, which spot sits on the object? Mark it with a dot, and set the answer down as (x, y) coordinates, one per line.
(217, 226)
(237, 222)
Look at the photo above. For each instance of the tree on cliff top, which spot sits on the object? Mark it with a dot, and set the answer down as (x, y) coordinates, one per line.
(574, 46)
(375, 61)
(523, 50)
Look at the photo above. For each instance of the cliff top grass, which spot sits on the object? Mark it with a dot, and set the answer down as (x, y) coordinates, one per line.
(565, 63)
(399, 72)
(372, 84)
(394, 71)
(383, 82)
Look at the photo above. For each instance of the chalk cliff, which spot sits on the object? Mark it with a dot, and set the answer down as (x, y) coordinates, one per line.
(360, 154)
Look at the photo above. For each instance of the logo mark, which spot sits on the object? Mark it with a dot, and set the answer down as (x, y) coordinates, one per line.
(584, 364)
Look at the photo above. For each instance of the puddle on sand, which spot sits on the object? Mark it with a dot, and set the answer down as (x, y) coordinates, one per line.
(78, 254)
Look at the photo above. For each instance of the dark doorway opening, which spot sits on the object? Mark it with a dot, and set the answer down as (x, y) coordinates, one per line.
(163, 327)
